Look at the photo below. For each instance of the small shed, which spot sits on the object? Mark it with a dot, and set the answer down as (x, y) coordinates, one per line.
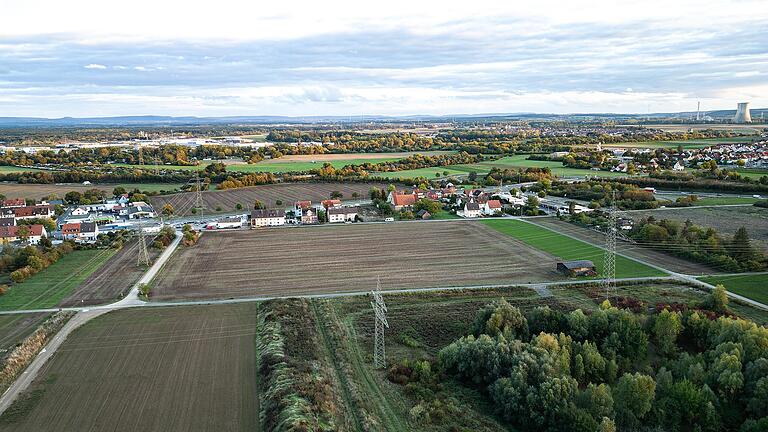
(577, 268)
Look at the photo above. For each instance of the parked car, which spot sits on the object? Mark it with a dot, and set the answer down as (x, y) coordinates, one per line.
(389, 219)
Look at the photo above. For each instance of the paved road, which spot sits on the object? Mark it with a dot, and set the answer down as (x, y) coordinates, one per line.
(83, 316)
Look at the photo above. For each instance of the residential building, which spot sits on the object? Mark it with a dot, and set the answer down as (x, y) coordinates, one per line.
(471, 210)
(309, 216)
(34, 233)
(329, 203)
(13, 202)
(492, 207)
(140, 210)
(227, 223)
(80, 232)
(301, 206)
(7, 221)
(33, 212)
(267, 217)
(342, 214)
(399, 201)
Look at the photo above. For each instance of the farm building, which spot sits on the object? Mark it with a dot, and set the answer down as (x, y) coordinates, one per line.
(267, 217)
(577, 268)
(342, 214)
(33, 233)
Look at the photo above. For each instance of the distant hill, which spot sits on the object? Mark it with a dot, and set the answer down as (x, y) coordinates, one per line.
(150, 120)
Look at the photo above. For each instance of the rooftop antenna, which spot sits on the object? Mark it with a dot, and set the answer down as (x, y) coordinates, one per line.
(380, 316)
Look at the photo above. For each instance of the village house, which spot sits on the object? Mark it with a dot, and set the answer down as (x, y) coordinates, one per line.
(492, 207)
(79, 211)
(7, 221)
(267, 217)
(33, 212)
(80, 232)
(32, 233)
(300, 207)
(399, 201)
(14, 202)
(139, 210)
(471, 210)
(308, 216)
(342, 214)
(329, 203)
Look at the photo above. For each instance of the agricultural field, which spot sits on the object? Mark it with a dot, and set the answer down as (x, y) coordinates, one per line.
(568, 248)
(754, 286)
(288, 193)
(112, 280)
(687, 144)
(348, 258)
(163, 369)
(754, 173)
(49, 287)
(513, 162)
(295, 163)
(5, 169)
(725, 220)
(40, 191)
(15, 327)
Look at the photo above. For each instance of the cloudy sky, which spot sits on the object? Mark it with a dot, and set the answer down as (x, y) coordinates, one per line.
(217, 58)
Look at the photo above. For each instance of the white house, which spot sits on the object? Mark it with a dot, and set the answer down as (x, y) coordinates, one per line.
(491, 207)
(471, 210)
(79, 211)
(267, 217)
(342, 214)
(34, 233)
(679, 166)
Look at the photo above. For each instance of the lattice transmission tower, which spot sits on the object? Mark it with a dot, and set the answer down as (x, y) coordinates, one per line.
(143, 252)
(199, 203)
(380, 316)
(609, 258)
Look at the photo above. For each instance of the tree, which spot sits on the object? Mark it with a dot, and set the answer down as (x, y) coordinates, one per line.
(73, 197)
(355, 195)
(741, 246)
(216, 168)
(532, 204)
(718, 299)
(238, 206)
(279, 202)
(596, 400)
(336, 195)
(23, 233)
(666, 327)
(118, 191)
(426, 204)
(168, 209)
(472, 176)
(257, 205)
(632, 398)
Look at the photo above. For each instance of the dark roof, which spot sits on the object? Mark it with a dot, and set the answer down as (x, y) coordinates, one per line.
(267, 213)
(473, 206)
(570, 265)
(7, 221)
(343, 210)
(88, 227)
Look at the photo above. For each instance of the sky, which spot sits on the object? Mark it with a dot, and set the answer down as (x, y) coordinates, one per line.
(94, 58)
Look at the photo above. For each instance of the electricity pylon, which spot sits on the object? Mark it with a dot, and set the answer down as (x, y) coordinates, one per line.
(609, 258)
(143, 252)
(199, 195)
(380, 316)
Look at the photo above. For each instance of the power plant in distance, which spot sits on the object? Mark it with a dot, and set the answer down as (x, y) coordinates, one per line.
(742, 113)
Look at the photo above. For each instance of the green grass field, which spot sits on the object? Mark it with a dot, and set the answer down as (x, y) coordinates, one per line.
(6, 169)
(568, 248)
(725, 201)
(482, 168)
(687, 144)
(750, 286)
(49, 287)
(754, 173)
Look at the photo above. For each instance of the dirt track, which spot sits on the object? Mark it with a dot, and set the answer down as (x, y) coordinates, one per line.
(288, 261)
(288, 193)
(169, 369)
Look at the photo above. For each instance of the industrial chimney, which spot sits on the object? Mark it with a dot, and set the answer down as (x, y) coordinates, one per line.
(742, 113)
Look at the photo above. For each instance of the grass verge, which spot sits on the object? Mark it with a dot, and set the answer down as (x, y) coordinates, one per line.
(753, 286)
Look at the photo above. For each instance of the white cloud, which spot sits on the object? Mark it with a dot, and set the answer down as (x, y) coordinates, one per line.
(95, 66)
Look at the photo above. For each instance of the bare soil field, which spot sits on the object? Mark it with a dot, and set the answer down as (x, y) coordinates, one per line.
(288, 193)
(14, 328)
(330, 259)
(725, 220)
(151, 369)
(639, 253)
(112, 280)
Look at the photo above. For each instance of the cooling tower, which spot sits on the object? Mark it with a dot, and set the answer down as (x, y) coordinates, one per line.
(742, 113)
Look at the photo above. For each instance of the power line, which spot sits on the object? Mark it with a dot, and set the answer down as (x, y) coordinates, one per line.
(380, 317)
(609, 257)
(143, 258)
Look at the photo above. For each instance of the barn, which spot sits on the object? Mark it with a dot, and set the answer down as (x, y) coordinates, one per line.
(577, 268)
